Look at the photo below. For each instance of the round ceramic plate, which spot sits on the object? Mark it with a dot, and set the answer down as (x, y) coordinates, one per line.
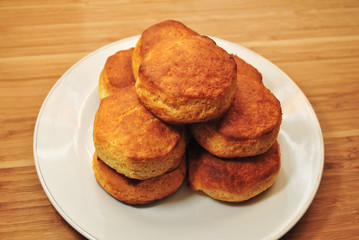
(63, 150)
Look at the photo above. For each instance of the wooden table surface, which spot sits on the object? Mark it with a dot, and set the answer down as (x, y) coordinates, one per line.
(315, 42)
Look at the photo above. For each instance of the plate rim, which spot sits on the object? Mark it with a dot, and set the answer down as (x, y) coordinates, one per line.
(88, 235)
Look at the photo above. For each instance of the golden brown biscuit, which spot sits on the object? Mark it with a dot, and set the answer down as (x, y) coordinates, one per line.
(132, 141)
(134, 191)
(188, 79)
(250, 126)
(153, 35)
(232, 180)
(117, 73)
(246, 71)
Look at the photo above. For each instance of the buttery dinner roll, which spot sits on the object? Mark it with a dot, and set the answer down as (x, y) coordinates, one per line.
(250, 126)
(153, 35)
(117, 73)
(132, 141)
(235, 179)
(188, 79)
(134, 191)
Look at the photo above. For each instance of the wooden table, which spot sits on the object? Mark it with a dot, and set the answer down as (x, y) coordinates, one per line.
(315, 42)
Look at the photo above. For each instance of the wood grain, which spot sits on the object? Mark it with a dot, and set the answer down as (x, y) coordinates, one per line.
(315, 42)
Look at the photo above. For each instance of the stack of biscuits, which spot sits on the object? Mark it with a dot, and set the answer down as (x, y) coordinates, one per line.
(179, 105)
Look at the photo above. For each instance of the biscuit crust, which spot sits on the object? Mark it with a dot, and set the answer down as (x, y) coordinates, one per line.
(187, 80)
(235, 179)
(132, 141)
(251, 124)
(133, 191)
(169, 29)
(117, 73)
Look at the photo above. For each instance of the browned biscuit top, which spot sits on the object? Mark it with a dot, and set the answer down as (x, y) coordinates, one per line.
(235, 174)
(254, 112)
(163, 30)
(123, 125)
(245, 70)
(190, 66)
(118, 68)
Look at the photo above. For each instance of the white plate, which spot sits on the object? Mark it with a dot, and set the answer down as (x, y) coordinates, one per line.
(63, 150)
